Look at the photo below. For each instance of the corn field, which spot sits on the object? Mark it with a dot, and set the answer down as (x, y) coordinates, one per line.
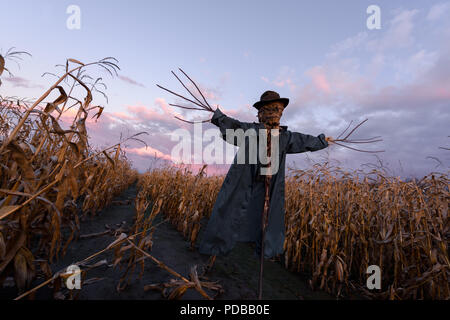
(337, 224)
(50, 177)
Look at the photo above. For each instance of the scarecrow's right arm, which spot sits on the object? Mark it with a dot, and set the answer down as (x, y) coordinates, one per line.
(299, 142)
(224, 122)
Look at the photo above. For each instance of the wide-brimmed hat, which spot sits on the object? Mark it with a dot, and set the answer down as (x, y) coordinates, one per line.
(270, 96)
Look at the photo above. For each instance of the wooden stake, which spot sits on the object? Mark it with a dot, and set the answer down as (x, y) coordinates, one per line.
(263, 227)
(265, 218)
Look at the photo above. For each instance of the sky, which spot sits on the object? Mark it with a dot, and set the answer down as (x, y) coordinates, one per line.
(319, 54)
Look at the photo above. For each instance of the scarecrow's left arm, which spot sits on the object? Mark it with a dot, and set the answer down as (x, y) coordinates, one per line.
(225, 122)
(299, 142)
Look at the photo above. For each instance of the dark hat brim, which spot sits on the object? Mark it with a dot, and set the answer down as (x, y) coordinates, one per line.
(259, 104)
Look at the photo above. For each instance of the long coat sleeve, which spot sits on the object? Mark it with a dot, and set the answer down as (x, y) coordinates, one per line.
(236, 215)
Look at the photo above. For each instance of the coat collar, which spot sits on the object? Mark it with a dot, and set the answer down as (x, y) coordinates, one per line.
(282, 128)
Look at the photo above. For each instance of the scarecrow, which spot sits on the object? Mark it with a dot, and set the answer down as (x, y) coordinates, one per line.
(237, 213)
(250, 205)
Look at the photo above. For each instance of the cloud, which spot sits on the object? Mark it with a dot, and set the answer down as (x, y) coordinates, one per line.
(399, 33)
(284, 79)
(319, 79)
(157, 120)
(20, 82)
(149, 151)
(393, 77)
(415, 65)
(208, 92)
(404, 94)
(437, 11)
(347, 45)
(131, 81)
(122, 116)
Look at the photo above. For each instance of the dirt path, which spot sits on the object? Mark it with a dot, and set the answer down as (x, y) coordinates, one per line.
(237, 273)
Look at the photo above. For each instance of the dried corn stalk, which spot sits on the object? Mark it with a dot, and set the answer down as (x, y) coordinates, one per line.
(337, 224)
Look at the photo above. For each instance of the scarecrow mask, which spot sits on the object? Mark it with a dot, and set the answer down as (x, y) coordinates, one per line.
(270, 114)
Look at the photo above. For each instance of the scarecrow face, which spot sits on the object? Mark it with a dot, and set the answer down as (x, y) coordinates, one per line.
(270, 114)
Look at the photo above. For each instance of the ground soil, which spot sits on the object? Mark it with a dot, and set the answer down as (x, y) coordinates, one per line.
(237, 272)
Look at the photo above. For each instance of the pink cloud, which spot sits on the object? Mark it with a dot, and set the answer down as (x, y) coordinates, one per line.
(70, 114)
(284, 82)
(149, 151)
(122, 116)
(319, 79)
(407, 97)
(285, 78)
(163, 114)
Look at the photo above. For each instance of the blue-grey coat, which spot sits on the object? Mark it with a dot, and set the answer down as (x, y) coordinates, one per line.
(237, 212)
